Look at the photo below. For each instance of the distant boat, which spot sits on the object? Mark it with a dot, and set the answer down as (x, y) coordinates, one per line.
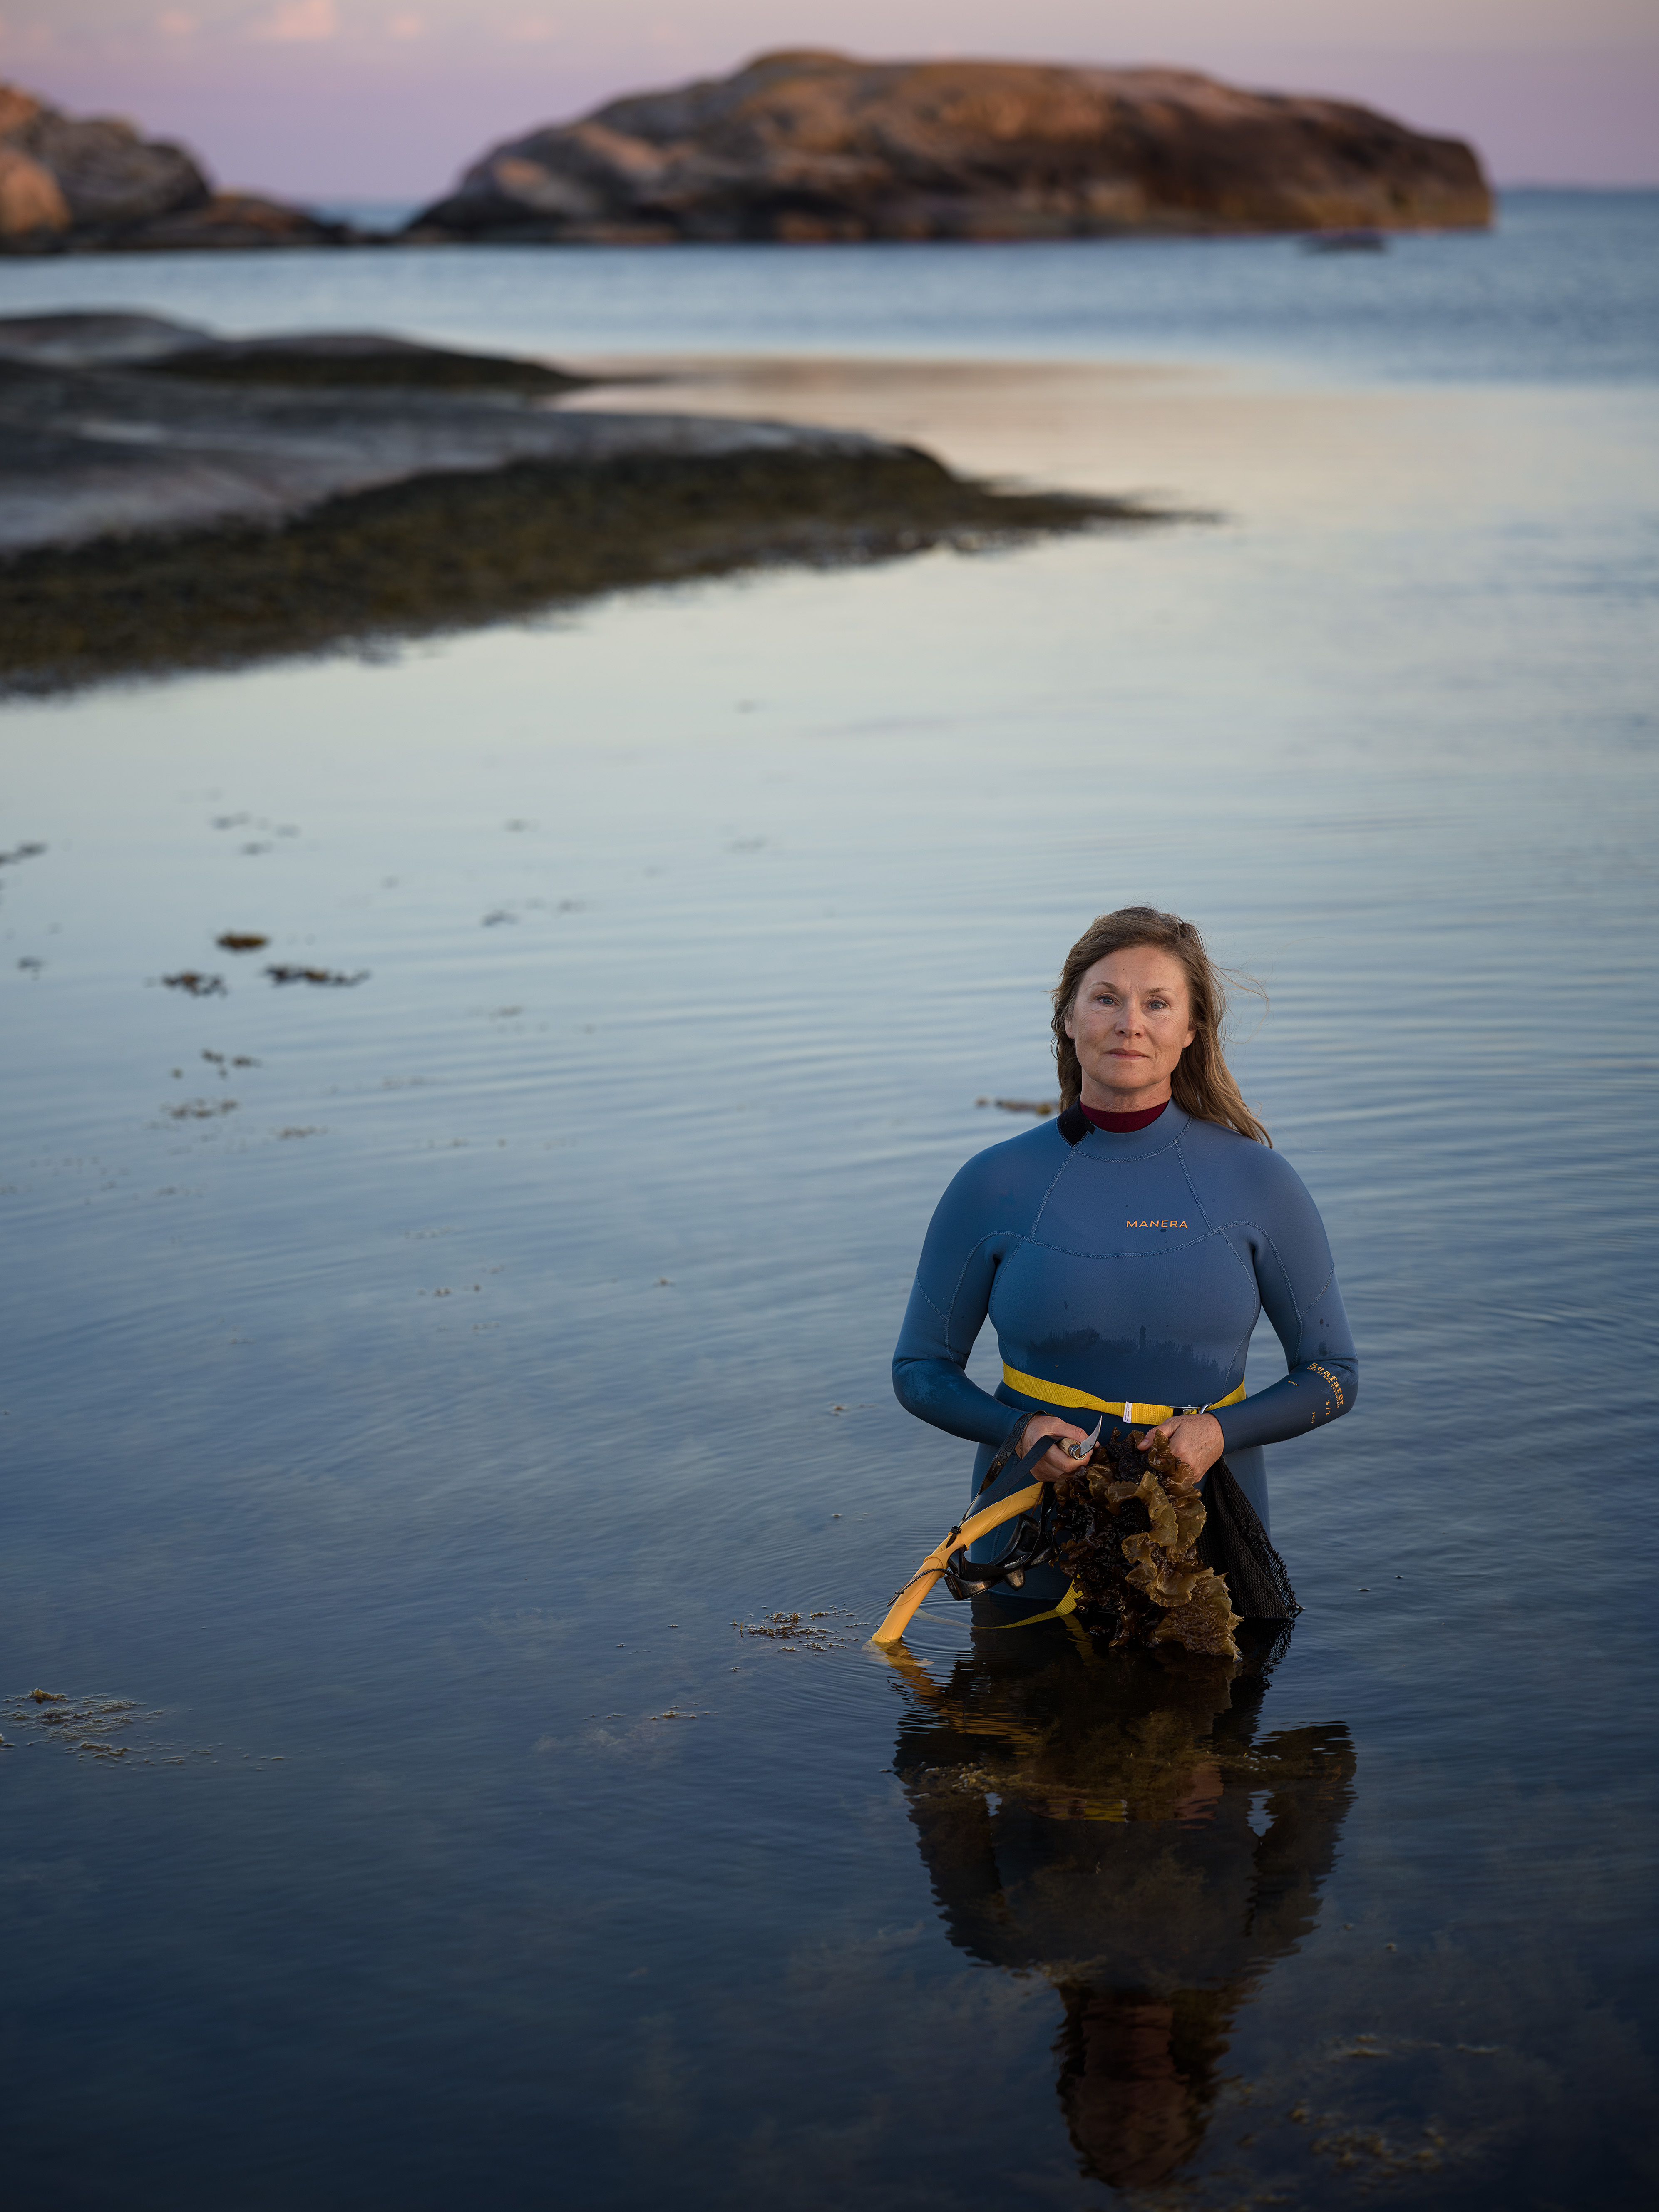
(1345, 241)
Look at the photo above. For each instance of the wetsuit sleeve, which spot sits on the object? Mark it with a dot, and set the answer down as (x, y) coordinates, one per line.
(1297, 1280)
(948, 1305)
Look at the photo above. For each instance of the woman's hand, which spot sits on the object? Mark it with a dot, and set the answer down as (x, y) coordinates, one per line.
(1196, 1441)
(1054, 1466)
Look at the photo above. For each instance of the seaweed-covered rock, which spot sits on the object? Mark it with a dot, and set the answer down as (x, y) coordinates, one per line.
(1126, 1532)
(171, 500)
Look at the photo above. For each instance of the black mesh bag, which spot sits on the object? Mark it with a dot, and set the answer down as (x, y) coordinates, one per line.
(1234, 1543)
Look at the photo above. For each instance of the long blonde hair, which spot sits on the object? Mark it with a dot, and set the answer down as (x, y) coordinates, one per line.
(1203, 1083)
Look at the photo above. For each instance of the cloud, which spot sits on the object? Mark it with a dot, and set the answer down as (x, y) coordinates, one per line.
(173, 23)
(299, 22)
(406, 27)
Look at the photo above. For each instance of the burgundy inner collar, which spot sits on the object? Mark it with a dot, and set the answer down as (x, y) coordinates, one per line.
(1121, 1124)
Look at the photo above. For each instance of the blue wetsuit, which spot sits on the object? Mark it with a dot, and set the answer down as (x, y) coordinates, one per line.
(1132, 1267)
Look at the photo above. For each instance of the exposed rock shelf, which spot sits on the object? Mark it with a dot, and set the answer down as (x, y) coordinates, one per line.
(804, 146)
(158, 509)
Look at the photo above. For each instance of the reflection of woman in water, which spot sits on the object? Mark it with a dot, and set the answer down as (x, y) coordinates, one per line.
(1143, 1846)
(1124, 1249)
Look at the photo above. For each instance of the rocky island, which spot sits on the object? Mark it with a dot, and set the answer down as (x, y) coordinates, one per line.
(808, 146)
(173, 498)
(94, 184)
(803, 147)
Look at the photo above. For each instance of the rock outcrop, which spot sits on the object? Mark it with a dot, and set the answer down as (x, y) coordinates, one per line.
(169, 499)
(327, 361)
(92, 185)
(114, 425)
(804, 146)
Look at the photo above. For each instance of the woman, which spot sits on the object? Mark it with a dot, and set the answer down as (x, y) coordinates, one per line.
(1125, 1250)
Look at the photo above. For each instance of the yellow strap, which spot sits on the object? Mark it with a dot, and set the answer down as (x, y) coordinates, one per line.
(1067, 1604)
(1061, 1393)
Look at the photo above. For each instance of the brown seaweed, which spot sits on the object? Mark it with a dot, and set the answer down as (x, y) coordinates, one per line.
(108, 1729)
(332, 977)
(1126, 1532)
(789, 1628)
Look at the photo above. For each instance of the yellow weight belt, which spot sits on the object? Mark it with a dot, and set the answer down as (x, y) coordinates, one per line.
(1127, 1409)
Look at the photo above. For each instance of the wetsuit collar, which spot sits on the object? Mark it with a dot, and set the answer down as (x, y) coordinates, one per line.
(1156, 1136)
(1122, 1124)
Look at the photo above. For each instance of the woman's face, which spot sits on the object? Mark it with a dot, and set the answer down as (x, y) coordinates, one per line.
(1130, 1021)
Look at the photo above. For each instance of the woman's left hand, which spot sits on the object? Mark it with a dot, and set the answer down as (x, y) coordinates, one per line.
(1196, 1441)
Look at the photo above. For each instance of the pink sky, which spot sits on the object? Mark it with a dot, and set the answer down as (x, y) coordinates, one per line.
(389, 99)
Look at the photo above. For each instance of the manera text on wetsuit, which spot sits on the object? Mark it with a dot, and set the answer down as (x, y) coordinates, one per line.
(1126, 1267)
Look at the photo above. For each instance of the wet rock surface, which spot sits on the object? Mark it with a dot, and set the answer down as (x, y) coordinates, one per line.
(806, 146)
(170, 499)
(122, 423)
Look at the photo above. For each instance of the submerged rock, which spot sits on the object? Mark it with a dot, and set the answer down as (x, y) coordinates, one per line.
(814, 145)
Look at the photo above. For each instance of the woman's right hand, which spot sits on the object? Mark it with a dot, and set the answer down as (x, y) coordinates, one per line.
(1054, 1466)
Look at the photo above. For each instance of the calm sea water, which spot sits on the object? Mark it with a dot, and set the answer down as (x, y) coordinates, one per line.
(415, 1385)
